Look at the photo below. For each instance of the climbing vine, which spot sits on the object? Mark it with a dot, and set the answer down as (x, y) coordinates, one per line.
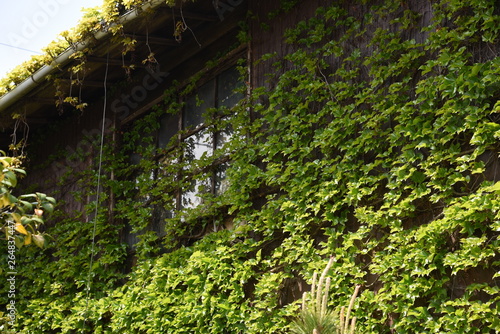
(375, 141)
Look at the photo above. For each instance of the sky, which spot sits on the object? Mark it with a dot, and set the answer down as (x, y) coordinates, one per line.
(27, 26)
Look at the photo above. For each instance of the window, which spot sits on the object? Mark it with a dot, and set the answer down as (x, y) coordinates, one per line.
(198, 128)
(203, 140)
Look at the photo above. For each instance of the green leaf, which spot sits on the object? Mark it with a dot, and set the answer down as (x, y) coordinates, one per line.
(20, 228)
(38, 240)
(493, 188)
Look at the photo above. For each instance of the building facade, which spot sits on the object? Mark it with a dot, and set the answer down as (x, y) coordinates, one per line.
(209, 156)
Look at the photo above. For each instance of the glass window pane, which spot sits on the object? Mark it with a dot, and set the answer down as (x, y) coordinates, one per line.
(223, 136)
(197, 105)
(142, 147)
(129, 237)
(160, 214)
(169, 126)
(191, 198)
(199, 144)
(221, 183)
(227, 83)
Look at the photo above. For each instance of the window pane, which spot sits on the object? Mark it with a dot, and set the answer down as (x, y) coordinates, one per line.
(142, 147)
(224, 135)
(169, 125)
(160, 214)
(221, 184)
(226, 85)
(199, 144)
(129, 237)
(197, 104)
(191, 198)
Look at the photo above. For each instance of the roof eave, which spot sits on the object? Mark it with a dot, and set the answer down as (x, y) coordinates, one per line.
(37, 78)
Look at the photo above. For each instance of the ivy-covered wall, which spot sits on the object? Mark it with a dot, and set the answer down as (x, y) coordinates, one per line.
(370, 136)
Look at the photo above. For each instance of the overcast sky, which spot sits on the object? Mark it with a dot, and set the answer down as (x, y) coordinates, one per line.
(27, 26)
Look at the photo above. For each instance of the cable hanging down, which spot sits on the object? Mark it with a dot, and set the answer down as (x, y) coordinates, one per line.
(98, 190)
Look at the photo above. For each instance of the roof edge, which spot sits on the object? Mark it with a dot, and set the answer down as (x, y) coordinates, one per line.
(37, 78)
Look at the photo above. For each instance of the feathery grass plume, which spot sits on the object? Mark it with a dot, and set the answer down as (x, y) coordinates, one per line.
(315, 318)
(346, 329)
(320, 292)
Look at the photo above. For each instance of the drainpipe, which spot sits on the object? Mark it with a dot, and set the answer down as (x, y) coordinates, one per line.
(38, 77)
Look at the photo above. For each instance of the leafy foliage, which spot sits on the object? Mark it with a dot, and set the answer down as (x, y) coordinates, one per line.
(375, 140)
(21, 216)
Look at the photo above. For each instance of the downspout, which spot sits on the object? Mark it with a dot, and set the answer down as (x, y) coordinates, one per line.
(38, 77)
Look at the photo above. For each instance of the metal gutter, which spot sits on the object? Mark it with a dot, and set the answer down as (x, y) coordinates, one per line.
(38, 77)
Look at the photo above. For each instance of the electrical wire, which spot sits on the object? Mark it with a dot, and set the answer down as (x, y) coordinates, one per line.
(98, 190)
(16, 47)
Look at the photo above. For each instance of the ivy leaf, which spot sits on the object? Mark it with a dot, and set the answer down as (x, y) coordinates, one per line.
(19, 242)
(418, 177)
(494, 188)
(20, 228)
(10, 179)
(27, 240)
(38, 240)
(16, 217)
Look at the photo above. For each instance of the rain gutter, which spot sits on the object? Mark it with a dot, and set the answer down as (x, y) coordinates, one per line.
(38, 77)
